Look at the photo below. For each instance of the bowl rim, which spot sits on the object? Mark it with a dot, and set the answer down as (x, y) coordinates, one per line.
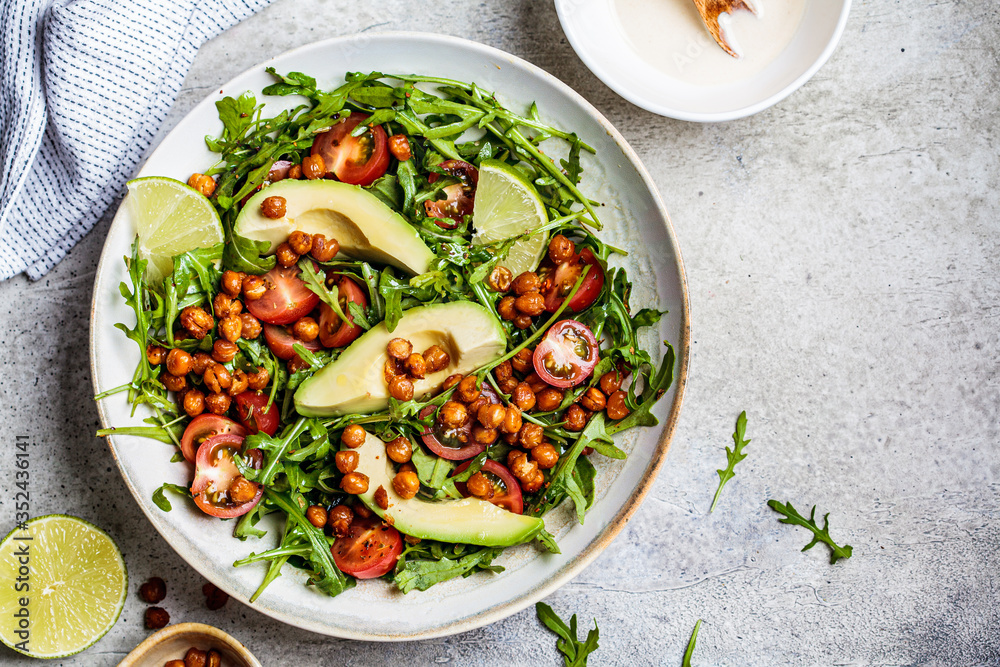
(136, 656)
(628, 508)
(637, 99)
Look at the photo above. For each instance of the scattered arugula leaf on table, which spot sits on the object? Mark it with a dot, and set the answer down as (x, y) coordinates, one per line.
(734, 456)
(819, 534)
(690, 647)
(574, 651)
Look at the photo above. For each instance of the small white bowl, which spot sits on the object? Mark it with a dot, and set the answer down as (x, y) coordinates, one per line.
(173, 641)
(593, 30)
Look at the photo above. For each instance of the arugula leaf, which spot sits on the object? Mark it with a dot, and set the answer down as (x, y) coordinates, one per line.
(160, 500)
(548, 541)
(327, 577)
(422, 574)
(655, 388)
(690, 647)
(819, 534)
(242, 254)
(734, 456)
(574, 651)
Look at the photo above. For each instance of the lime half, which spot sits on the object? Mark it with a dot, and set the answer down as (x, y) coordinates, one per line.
(170, 218)
(62, 586)
(508, 205)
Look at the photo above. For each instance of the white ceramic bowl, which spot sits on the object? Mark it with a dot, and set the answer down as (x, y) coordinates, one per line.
(635, 219)
(592, 29)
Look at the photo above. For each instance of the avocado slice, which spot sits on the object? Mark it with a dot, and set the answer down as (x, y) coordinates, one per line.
(468, 521)
(355, 381)
(365, 227)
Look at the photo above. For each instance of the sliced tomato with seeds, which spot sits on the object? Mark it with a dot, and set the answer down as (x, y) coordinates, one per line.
(567, 354)
(360, 160)
(280, 341)
(369, 550)
(334, 331)
(287, 297)
(214, 473)
(506, 490)
(558, 281)
(254, 414)
(203, 427)
(460, 198)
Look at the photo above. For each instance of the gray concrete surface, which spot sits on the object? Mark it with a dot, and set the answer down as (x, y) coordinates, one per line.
(844, 268)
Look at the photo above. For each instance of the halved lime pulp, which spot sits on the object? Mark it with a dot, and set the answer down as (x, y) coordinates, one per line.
(508, 205)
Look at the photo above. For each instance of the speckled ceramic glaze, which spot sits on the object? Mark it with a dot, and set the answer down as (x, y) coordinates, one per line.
(634, 218)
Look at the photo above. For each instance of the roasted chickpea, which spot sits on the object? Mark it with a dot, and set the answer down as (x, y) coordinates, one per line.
(346, 461)
(242, 490)
(406, 484)
(500, 279)
(324, 250)
(195, 657)
(155, 354)
(593, 400)
(520, 466)
(214, 659)
(561, 249)
(217, 378)
(382, 497)
(232, 283)
(196, 321)
(305, 329)
(617, 406)
(240, 383)
(339, 519)
(156, 618)
(611, 382)
(512, 420)
(215, 598)
(153, 591)
(507, 385)
(534, 483)
(436, 359)
(313, 167)
(253, 288)
(199, 362)
(525, 283)
(416, 366)
(522, 361)
(300, 242)
(251, 327)
(316, 515)
(399, 146)
(224, 351)
(408, 467)
(531, 304)
(295, 172)
(452, 380)
(296, 364)
(491, 415)
(179, 362)
(453, 414)
(285, 255)
(545, 455)
(173, 382)
(391, 368)
(522, 321)
(575, 418)
(174, 663)
(468, 389)
(531, 435)
(218, 403)
(273, 207)
(353, 436)
(479, 486)
(258, 379)
(194, 402)
(536, 383)
(231, 328)
(523, 397)
(548, 399)
(506, 309)
(400, 450)
(221, 304)
(401, 388)
(483, 435)
(202, 183)
(399, 348)
(354, 483)
(475, 405)
(503, 371)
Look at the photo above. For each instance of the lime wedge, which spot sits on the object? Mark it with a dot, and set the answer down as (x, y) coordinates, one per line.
(64, 585)
(170, 218)
(508, 205)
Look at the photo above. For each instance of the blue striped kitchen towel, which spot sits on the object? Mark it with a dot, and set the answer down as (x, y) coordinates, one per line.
(84, 87)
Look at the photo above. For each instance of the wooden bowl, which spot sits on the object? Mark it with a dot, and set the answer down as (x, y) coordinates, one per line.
(173, 641)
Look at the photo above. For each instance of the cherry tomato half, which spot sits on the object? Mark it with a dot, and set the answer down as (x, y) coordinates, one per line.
(202, 428)
(567, 354)
(355, 160)
(287, 297)
(369, 550)
(558, 281)
(214, 473)
(280, 341)
(460, 197)
(454, 444)
(250, 407)
(507, 492)
(333, 331)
